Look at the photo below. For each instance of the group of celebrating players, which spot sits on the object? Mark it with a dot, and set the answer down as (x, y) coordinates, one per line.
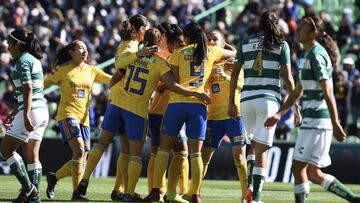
(192, 79)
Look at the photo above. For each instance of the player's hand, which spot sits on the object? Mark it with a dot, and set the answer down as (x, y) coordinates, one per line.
(219, 70)
(147, 51)
(204, 97)
(297, 117)
(28, 125)
(8, 120)
(271, 121)
(339, 133)
(232, 110)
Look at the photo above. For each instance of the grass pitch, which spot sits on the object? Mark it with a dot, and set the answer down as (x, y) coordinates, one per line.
(212, 191)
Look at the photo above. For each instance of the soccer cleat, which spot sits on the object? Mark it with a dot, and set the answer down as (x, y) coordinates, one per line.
(78, 197)
(356, 200)
(154, 196)
(195, 198)
(129, 198)
(117, 196)
(249, 195)
(175, 198)
(83, 185)
(51, 182)
(31, 196)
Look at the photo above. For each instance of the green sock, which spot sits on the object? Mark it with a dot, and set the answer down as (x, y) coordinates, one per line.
(35, 173)
(333, 185)
(17, 167)
(301, 197)
(250, 164)
(258, 184)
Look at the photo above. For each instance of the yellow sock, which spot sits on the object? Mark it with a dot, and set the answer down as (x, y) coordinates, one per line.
(175, 169)
(163, 184)
(161, 162)
(205, 167)
(76, 169)
(150, 171)
(134, 171)
(93, 159)
(64, 171)
(241, 169)
(124, 163)
(184, 177)
(196, 172)
(119, 182)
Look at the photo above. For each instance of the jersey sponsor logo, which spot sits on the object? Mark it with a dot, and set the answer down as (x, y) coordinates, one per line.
(81, 93)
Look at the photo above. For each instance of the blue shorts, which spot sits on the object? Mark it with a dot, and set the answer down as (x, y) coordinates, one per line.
(154, 130)
(120, 120)
(71, 127)
(193, 115)
(217, 129)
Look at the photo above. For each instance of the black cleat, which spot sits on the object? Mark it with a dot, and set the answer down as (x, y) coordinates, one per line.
(129, 198)
(356, 200)
(25, 196)
(117, 196)
(195, 198)
(78, 197)
(154, 196)
(83, 185)
(51, 182)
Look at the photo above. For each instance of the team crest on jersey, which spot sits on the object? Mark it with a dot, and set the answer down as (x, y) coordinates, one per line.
(81, 94)
(215, 88)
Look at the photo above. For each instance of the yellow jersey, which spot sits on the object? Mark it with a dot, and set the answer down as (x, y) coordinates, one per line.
(219, 88)
(191, 76)
(159, 102)
(141, 79)
(125, 54)
(75, 85)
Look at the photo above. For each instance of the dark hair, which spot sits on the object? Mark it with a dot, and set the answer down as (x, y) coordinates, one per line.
(324, 39)
(174, 35)
(27, 42)
(164, 27)
(130, 28)
(152, 37)
(197, 36)
(62, 55)
(273, 37)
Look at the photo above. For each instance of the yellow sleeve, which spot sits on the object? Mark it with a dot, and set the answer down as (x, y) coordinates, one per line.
(218, 52)
(174, 59)
(124, 56)
(53, 78)
(101, 76)
(164, 68)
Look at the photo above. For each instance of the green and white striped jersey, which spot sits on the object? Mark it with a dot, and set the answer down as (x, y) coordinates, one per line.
(28, 69)
(314, 66)
(261, 68)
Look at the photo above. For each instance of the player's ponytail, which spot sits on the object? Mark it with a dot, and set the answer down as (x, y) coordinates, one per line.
(62, 55)
(152, 37)
(273, 37)
(324, 39)
(27, 41)
(130, 28)
(197, 36)
(174, 35)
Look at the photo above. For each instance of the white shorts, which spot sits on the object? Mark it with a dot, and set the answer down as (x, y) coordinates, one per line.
(313, 146)
(39, 118)
(255, 112)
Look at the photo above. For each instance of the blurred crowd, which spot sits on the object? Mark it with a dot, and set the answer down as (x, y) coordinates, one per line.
(97, 22)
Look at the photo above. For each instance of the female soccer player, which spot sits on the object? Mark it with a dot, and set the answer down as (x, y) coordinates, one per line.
(171, 39)
(27, 123)
(320, 117)
(140, 81)
(265, 57)
(132, 32)
(191, 66)
(75, 79)
(219, 123)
